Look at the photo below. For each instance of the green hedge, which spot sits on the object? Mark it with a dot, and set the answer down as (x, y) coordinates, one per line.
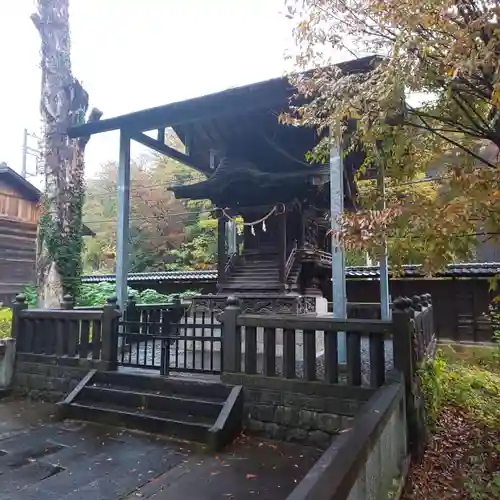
(95, 294)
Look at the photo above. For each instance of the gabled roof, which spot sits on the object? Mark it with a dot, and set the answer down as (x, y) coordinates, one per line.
(30, 192)
(237, 100)
(20, 183)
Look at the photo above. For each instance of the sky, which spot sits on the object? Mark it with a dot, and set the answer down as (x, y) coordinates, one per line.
(134, 54)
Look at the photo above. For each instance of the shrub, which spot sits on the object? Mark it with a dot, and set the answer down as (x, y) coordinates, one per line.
(432, 375)
(96, 294)
(5, 322)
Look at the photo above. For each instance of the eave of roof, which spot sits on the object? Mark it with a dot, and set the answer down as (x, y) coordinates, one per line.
(25, 186)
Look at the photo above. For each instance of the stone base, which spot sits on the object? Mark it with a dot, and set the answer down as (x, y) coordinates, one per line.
(262, 304)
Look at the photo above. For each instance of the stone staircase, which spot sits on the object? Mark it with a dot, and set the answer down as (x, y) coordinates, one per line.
(191, 410)
(258, 272)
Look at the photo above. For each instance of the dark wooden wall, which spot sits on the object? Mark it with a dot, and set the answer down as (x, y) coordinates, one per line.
(17, 257)
(460, 304)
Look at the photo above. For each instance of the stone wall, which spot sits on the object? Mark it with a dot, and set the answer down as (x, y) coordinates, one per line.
(47, 378)
(310, 413)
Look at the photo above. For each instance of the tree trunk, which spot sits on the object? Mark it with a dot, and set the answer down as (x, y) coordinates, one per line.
(63, 103)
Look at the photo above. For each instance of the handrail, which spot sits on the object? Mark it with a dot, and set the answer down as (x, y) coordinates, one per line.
(290, 261)
(317, 323)
(231, 261)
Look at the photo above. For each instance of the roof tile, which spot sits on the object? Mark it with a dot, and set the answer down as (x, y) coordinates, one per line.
(464, 270)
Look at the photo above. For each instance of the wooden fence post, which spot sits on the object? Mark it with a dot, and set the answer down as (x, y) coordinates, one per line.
(403, 330)
(132, 313)
(231, 337)
(18, 305)
(67, 303)
(402, 339)
(110, 315)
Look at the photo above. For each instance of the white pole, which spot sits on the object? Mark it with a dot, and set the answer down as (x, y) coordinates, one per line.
(339, 296)
(122, 234)
(385, 312)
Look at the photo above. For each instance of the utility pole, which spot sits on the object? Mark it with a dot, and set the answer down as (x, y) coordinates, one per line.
(27, 150)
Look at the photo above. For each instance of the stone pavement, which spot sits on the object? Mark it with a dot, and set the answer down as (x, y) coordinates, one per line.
(41, 459)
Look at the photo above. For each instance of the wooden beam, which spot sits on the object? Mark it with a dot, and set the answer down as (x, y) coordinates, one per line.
(168, 151)
(273, 94)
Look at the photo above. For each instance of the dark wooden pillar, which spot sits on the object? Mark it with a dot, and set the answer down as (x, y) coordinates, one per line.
(221, 248)
(282, 255)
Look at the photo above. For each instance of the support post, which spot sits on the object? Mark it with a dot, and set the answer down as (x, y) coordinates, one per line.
(339, 295)
(231, 336)
(122, 234)
(110, 315)
(385, 312)
(221, 248)
(18, 306)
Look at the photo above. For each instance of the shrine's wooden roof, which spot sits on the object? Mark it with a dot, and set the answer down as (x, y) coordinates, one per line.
(240, 122)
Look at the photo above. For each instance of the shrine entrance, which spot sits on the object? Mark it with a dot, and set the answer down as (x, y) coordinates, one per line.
(169, 340)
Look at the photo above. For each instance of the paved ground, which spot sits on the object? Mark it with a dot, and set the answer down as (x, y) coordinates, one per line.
(41, 459)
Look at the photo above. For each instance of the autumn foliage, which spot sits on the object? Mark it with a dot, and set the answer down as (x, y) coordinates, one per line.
(429, 105)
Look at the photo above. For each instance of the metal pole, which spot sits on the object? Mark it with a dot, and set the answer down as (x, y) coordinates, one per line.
(385, 312)
(25, 154)
(339, 296)
(122, 236)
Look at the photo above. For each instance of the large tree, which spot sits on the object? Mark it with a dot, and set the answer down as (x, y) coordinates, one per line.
(165, 233)
(446, 53)
(63, 103)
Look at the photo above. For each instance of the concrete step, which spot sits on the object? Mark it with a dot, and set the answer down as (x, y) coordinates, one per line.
(180, 406)
(253, 277)
(216, 391)
(145, 420)
(251, 286)
(205, 411)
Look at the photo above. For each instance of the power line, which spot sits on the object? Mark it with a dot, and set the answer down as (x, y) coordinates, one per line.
(153, 217)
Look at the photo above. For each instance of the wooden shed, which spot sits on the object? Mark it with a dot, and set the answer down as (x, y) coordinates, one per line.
(19, 211)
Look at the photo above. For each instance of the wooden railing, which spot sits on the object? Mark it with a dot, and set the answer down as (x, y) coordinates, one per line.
(151, 318)
(69, 334)
(306, 347)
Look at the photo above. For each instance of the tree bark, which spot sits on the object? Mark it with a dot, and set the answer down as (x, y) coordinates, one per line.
(63, 103)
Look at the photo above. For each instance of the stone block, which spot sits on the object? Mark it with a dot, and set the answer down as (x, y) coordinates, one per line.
(255, 426)
(296, 435)
(306, 419)
(286, 415)
(251, 395)
(329, 423)
(265, 413)
(347, 422)
(319, 439)
(268, 396)
(275, 431)
(20, 379)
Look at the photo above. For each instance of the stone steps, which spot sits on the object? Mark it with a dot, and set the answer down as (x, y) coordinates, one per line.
(205, 412)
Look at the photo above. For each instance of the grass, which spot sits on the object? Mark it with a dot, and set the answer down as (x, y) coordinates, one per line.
(462, 459)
